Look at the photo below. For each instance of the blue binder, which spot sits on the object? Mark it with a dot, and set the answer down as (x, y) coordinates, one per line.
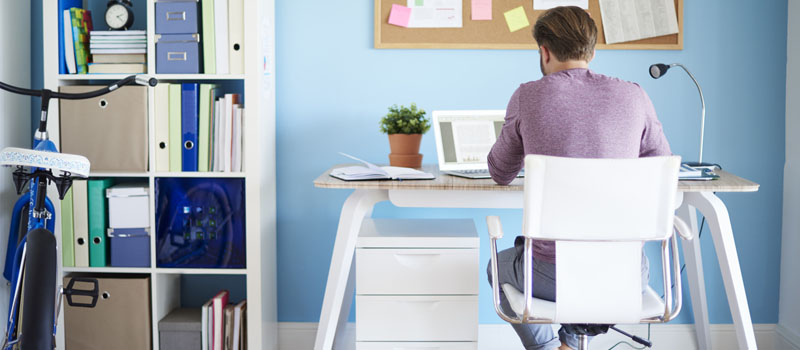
(63, 5)
(190, 94)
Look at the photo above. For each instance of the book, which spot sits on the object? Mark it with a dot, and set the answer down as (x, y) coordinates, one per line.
(373, 172)
(228, 325)
(67, 236)
(105, 68)
(205, 317)
(118, 32)
(239, 325)
(65, 5)
(81, 26)
(122, 58)
(93, 46)
(118, 51)
(236, 148)
(218, 304)
(69, 47)
(696, 174)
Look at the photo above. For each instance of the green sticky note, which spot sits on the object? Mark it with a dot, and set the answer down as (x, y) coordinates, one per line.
(420, 3)
(516, 19)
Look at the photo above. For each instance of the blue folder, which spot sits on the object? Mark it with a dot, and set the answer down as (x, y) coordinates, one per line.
(190, 94)
(63, 5)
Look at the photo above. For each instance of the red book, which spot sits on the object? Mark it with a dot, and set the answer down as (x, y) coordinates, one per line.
(218, 303)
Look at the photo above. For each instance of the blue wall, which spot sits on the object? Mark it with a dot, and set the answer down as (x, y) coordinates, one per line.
(332, 87)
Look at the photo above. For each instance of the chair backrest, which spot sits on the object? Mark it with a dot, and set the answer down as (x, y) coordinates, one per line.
(599, 212)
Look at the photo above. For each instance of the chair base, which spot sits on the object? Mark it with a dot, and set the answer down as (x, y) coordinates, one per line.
(584, 331)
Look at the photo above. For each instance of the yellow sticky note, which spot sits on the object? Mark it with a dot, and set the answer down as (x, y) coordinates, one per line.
(517, 19)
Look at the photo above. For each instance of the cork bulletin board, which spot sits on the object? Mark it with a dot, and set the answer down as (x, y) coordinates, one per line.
(494, 34)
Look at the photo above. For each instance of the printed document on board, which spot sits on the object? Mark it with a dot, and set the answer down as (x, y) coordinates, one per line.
(627, 20)
(548, 4)
(435, 13)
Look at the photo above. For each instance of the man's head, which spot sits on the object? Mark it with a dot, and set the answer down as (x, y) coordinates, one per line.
(566, 37)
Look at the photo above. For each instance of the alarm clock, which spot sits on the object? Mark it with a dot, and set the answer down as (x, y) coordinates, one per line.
(119, 14)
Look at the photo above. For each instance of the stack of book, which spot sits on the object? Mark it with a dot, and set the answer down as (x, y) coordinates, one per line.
(76, 25)
(198, 128)
(223, 326)
(118, 51)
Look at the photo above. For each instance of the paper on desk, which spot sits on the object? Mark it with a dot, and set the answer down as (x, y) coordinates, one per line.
(435, 13)
(516, 19)
(627, 20)
(399, 15)
(548, 4)
(481, 10)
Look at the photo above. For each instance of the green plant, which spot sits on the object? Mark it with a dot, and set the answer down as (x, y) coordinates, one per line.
(403, 120)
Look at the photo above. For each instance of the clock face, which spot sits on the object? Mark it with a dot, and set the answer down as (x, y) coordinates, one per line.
(116, 16)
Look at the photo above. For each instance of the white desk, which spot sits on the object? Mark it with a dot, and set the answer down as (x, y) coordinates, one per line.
(453, 192)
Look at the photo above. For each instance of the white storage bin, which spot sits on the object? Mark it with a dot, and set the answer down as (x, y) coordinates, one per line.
(421, 318)
(128, 206)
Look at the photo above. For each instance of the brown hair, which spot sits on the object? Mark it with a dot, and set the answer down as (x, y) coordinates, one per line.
(568, 32)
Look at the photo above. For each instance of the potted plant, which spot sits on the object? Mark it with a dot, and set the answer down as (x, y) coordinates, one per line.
(405, 127)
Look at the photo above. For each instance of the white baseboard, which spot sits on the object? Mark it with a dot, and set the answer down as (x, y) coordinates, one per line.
(300, 336)
(786, 339)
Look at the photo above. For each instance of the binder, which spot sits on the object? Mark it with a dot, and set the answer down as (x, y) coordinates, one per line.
(236, 36)
(189, 125)
(221, 35)
(98, 221)
(209, 49)
(80, 209)
(67, 231)
(162, 126)
(174, 143)
(204, 127)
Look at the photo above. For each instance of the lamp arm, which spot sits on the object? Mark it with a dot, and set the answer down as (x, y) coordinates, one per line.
(702, 112)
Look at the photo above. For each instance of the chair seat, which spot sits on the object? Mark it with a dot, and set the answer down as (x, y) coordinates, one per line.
(652, 304)
(74, 164)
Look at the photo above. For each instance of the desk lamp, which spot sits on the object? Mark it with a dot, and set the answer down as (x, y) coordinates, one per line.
(657, 71)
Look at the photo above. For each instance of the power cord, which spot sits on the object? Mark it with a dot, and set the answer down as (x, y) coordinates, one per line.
(683, 267)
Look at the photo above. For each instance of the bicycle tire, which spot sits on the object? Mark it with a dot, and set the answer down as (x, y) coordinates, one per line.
(38, 294)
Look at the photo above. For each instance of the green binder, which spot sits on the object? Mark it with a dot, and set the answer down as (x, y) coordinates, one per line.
(208, 36)
(203, 141)
(67, 232)
(175, 140)
(98, 221)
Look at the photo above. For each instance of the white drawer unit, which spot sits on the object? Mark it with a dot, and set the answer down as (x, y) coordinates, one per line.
(417, 284)
(417, 318)
(417, 271)
(416, 346)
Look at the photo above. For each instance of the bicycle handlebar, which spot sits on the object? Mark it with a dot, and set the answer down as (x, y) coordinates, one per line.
(140, 79)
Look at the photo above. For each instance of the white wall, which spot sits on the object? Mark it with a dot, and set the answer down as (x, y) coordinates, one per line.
(789, 314)
(15, 68)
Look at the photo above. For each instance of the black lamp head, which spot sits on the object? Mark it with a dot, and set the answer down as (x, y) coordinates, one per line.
(658, 70)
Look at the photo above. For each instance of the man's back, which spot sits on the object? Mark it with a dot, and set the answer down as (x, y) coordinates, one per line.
(576, 113)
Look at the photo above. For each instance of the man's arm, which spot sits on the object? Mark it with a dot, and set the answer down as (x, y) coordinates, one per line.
(507, 155)
(654, 142)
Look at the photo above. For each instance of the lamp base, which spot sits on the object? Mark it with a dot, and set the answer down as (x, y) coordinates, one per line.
(712, 166)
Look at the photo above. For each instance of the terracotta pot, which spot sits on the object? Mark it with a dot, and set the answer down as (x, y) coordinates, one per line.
(405, 150)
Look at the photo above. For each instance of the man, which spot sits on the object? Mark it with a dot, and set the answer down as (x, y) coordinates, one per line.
(570, 112)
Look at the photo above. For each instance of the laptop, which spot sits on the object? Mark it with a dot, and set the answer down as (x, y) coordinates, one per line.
(464, 139)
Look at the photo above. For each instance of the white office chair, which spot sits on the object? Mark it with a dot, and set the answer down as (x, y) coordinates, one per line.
(599, 212)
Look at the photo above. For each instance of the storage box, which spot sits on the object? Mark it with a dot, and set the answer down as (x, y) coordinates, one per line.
(128, 206)
(130, 247)
(181, 330)
(109, 130)
(121, 319)
(177, 53)
(176, 17)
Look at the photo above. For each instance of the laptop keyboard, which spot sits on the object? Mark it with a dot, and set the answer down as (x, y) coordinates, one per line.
(472, 172)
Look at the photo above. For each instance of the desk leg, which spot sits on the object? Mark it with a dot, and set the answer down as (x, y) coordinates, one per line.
(340, 284)
(719, 223)
(697, 284)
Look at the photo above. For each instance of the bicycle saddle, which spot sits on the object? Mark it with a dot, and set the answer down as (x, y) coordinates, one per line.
(77, 166)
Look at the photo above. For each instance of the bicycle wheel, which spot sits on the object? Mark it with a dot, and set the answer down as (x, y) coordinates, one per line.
(38, 292)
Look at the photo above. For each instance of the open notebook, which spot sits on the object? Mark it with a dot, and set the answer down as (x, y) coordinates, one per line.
(373, 172)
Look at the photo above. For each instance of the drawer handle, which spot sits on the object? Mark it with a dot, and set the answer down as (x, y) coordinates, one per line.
(176, 16)
(416, 348)
(176, 56)
(416, 259)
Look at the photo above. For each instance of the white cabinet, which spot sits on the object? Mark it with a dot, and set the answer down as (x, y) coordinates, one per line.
(417, 284)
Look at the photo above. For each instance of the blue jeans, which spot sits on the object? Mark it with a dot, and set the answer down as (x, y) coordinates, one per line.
(510, 269)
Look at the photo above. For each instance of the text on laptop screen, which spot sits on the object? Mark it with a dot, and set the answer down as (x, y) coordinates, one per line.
(468, 139)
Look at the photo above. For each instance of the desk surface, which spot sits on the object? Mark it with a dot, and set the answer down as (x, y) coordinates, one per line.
(727, 182)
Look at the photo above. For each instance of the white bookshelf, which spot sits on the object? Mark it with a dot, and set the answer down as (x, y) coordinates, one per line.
(259, 171)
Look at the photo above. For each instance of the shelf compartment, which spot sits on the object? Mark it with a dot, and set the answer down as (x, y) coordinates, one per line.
(192, 271)
(138, 270)
(208, 174)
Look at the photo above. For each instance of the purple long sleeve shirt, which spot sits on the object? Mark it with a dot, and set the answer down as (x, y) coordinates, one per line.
(575, 113)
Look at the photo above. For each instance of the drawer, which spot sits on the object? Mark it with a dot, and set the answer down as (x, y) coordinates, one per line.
(417, 318)
(416, 346)
(177, 53)
(417, 271)
(176, 17)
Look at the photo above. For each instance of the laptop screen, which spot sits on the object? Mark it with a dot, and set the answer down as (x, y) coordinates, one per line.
(464, 138)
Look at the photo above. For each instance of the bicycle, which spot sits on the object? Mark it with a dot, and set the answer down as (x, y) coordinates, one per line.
(33, 261)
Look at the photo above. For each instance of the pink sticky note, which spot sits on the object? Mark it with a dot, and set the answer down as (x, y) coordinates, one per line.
(400, 15)
(481, 10)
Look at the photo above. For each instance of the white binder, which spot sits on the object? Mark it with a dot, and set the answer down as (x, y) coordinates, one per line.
(236, 36)
(162, 127)
(80, 208)
(221, 37)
